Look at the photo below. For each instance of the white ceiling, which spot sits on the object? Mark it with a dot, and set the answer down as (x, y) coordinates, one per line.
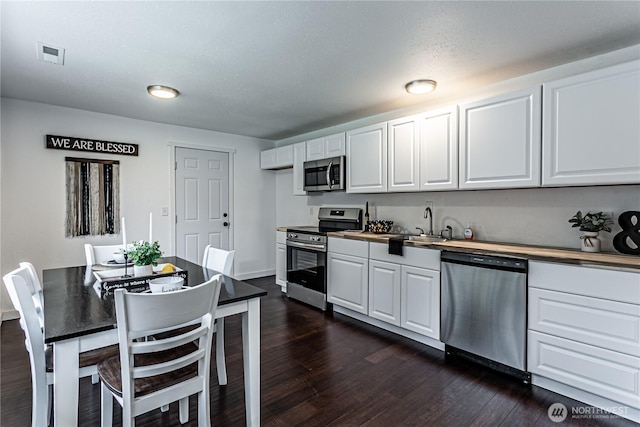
(278, 69)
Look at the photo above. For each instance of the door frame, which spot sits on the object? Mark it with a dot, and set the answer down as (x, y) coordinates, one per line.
(172, 146)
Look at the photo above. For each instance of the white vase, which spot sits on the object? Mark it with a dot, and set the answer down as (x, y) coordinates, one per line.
(589, 241)
(142, 270)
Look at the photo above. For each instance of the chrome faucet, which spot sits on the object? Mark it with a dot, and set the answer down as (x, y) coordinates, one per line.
(429, 214)
(421, 231)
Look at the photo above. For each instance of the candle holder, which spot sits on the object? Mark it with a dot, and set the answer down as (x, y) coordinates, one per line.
(126, 261)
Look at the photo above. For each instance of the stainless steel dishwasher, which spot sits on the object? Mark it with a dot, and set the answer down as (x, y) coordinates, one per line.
(483, 313)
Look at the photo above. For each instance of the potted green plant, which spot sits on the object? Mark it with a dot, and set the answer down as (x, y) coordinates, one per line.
(144, 256)
(591, 224)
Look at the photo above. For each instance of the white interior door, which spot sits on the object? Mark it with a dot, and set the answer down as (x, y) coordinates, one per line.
(202, 202)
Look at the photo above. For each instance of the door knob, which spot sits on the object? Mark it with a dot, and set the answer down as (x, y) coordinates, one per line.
(224, 215)
(226, 224)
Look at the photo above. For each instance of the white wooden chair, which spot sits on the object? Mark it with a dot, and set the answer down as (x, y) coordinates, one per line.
(218, 260)
(100, 254)
(152, 374)
(35, 287)
(221, 261)
(19, 285)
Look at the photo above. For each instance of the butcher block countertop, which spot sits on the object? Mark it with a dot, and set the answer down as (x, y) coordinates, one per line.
(537, 253)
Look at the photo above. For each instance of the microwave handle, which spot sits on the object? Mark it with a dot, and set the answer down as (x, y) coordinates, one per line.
(329, 174)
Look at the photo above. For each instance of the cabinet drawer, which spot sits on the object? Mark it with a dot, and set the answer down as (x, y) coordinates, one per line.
(605, 373)
(622, 286)
(415, 257)
(281, 237)
(607, 324)
(358, 248)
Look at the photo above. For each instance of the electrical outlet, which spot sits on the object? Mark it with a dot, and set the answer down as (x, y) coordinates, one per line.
(310, 210)
(429, 204)
(165, 211)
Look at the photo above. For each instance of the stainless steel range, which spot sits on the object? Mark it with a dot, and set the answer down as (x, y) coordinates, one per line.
(307, 254)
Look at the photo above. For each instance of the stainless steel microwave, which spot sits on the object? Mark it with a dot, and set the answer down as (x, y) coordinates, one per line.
(325, 174)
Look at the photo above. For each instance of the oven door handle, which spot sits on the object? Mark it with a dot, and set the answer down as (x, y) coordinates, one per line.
(312, 246)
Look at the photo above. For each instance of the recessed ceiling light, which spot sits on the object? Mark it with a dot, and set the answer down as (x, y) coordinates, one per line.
(420, 86)
(164, 92)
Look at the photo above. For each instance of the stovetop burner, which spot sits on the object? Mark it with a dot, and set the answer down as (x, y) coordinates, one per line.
(332, 219)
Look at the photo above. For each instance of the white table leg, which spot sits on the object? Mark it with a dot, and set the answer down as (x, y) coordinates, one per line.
(65, 382)
(251, 357)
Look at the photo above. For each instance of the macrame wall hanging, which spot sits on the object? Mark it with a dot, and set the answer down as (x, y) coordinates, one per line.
(93, 197)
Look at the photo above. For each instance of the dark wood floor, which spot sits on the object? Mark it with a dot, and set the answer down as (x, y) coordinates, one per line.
(324, 370)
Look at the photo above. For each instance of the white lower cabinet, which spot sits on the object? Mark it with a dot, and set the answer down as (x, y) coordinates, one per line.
(348, 274)
(420, 301)
(281, 260)
(404, 290)
(384, 291)
(584, 329)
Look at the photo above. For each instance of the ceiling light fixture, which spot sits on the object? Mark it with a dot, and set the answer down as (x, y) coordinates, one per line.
(418, 87)
(164, 92)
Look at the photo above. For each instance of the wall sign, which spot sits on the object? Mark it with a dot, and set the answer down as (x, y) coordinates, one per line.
(91, 145)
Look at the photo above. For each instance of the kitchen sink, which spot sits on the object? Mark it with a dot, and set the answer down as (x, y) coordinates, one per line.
(427, 239)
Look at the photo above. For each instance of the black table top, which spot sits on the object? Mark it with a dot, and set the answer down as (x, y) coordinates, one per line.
(73, 308)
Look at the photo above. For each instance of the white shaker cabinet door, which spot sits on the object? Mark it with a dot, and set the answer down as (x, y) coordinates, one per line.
(384, 291)
(403, 155)
(315, 149)
(420, 308)
(591, 133)
(347, 281)
(299, 155)
(281, 266)
(438, 148)
(500, 140)
(367, 159)
(334, 145)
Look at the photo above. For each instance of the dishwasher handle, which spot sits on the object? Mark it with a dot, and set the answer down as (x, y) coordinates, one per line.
(486, 261)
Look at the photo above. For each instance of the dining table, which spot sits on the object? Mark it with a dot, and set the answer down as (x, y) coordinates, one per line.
(78, 317)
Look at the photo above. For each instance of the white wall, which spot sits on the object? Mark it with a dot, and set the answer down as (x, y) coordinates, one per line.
(33, 187)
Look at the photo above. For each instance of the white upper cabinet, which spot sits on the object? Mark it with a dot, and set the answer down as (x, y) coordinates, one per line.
(299, 156)
(403, 155)
(438, 148)
(334, 145)
(277, 158)
(591, 133)
(327, 146)
(500, 140)
(366, 152)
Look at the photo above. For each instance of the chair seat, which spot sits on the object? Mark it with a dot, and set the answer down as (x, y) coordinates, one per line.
(88, 358)
(110, 373)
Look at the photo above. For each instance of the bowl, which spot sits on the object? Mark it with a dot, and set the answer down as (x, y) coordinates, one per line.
(380, 226)
(166, 284)
(118, 257)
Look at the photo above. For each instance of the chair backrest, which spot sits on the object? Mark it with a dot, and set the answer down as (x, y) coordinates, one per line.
(218, 260)
(145, 314)
(30, 275)
(100, 254)
(19, 291)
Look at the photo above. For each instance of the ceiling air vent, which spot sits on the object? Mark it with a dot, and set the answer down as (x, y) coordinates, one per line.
(50, 54)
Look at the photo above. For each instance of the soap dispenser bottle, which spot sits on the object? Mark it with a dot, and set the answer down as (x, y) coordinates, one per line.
(468, 232)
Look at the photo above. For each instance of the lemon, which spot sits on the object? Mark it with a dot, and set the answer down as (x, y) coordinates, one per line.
(168, 268)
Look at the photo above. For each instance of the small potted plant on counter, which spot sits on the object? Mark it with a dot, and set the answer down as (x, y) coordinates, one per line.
(144, 256)
(591, 224)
